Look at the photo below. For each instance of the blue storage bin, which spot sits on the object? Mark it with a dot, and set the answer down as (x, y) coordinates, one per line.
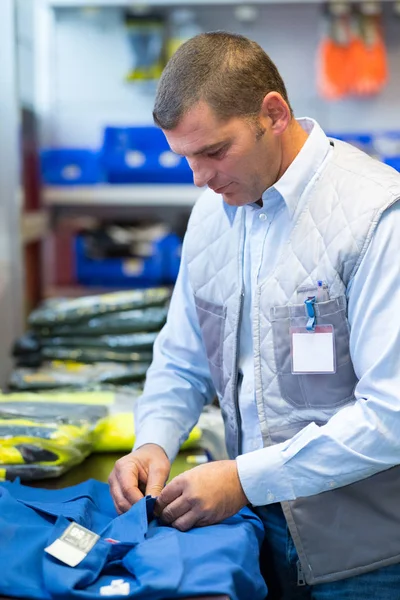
(363, 141)
(159, 268)
(171, 249)
(70, 166)
(392, 161)
(141, 155)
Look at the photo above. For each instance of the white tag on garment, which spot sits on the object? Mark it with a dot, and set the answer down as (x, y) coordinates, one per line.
(73, 545)
(118, 587)
(313, 351)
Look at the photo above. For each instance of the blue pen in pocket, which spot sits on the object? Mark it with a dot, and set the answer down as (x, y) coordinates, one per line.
(320, 290)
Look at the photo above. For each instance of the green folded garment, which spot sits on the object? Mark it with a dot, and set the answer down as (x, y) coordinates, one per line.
(55, 375)
(96, 355)
(136, 342)
(74, 310)
(130, 321)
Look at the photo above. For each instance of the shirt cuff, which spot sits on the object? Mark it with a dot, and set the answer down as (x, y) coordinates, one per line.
(157, 433)
(263, 476)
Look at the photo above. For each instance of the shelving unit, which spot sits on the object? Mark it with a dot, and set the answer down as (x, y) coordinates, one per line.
(122, 195)
(34, 226)
(117, 3)
(78, 95)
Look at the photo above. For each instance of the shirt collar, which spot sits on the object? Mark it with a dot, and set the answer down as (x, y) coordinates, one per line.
(299, 173)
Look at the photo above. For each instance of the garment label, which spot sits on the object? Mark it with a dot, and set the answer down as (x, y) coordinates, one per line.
(313, 351)
(118, 587)
(73, 545)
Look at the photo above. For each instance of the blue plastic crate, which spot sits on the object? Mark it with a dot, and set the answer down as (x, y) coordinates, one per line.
(363, 141)
(159, 268)
(70, 166)
(171, 249)
(141, 155)
(392, 161)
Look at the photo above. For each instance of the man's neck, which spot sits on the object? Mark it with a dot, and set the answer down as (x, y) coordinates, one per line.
(293, 140)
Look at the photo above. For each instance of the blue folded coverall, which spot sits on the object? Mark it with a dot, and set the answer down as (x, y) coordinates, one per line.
(156, 561)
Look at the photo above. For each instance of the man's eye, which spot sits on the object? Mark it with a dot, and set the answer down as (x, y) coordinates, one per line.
(217, 153)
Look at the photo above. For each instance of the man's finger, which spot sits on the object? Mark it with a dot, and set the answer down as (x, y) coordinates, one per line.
(127, 481)
(186, 521)
(130, 493)
(120, 503)
(171, 492)
(155, 482)
(176, 509)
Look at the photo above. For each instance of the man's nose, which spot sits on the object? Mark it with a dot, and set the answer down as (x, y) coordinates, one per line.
(201, 173)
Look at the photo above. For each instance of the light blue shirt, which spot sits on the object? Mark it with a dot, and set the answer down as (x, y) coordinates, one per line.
(358, 441)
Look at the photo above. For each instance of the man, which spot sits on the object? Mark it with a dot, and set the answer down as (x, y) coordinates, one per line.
(287, 306)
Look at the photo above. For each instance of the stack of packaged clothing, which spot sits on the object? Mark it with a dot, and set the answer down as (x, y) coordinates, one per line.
(78, 373)
(109, 331)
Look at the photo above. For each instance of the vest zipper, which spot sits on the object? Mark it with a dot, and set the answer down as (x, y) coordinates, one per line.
(300, 574)
(239, 376)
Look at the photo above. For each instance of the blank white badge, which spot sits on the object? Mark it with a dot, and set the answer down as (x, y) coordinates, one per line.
(313, 351)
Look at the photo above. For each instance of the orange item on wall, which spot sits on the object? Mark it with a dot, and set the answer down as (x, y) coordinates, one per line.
(333, 74)
(352, 58)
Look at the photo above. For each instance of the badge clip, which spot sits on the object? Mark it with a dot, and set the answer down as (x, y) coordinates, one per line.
(310, 313)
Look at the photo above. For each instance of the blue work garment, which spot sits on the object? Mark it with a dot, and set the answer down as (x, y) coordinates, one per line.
(156, 561)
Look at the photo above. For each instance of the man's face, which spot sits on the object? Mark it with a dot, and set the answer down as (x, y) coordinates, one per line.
(237, 158)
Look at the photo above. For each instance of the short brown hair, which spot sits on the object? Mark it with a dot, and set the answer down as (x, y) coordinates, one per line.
(231, 73)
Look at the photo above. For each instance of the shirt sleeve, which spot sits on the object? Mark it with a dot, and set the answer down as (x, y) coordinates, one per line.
(363, 438)
(178, 382)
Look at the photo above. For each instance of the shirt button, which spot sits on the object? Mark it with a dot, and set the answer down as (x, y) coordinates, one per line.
(262, 217)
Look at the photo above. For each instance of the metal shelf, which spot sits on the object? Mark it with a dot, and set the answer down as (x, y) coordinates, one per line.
(167, 3)
(122, 195)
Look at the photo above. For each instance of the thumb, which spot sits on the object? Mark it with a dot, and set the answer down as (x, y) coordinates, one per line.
(155, 481)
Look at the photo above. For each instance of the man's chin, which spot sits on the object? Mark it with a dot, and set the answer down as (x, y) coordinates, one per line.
(236, 199)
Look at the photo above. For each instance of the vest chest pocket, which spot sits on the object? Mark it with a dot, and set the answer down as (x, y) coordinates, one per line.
(212, 324)
(322, 391)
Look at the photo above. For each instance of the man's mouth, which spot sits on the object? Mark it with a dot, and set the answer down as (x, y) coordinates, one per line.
(221, 190)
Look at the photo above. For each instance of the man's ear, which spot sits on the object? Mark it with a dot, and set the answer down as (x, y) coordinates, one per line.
(275, 108)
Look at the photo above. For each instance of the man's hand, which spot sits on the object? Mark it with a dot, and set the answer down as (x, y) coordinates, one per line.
(143, 471)
(202, 496)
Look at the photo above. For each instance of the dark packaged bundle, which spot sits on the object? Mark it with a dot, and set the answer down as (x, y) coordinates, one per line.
(27, 350)
(131, 321)
(36, 471)
(27, 344)
(95, 355)
(29, 360)
(125, 343)
(76, 375)
(77, 309)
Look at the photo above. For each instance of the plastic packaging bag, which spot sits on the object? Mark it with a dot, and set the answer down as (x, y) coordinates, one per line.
(40, 438)
(127, 343)
(110, 414)
(76, 375)
(77, 309)
(94, 355)
(129, 322)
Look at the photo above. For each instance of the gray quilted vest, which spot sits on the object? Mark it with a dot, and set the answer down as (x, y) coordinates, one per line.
(348, 530)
